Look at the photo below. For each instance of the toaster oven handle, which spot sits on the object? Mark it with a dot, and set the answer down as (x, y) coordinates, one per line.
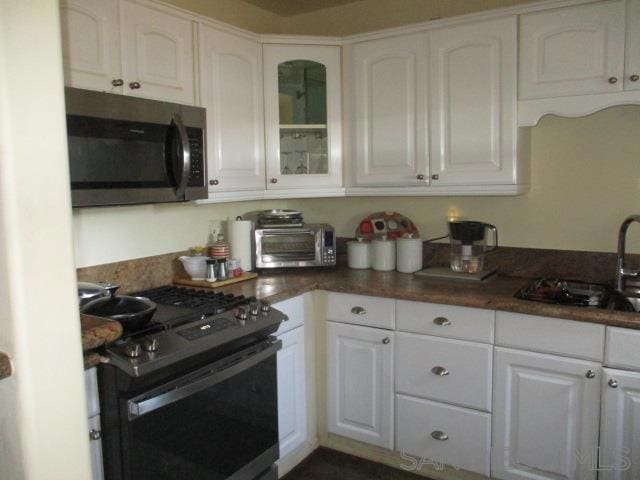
(186, 155)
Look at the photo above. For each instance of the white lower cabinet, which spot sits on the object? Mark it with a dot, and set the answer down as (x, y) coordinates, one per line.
(620, 426)
(443, 434)
(93, 411)
(545, 416)
(292, 397)
(360, 383)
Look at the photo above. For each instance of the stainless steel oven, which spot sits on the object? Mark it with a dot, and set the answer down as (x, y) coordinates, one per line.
(311, 245)
(128, 150)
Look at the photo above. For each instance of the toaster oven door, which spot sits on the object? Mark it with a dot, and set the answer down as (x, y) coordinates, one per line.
(288, 248)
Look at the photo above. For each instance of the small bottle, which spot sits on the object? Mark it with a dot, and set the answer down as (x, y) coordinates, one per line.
(211, 270)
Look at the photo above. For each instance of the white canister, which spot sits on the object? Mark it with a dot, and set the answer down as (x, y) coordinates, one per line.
(359, 254)
(409, 254)
(383, 255)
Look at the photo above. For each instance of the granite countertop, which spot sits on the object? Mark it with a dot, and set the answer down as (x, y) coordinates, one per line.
(495, 294)
(96, 332)
(5, 366)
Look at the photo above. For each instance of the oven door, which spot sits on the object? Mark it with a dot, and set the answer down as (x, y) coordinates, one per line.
(219, 422)
(288, 247)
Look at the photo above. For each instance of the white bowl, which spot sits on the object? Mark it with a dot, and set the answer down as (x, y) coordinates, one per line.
(195, 266)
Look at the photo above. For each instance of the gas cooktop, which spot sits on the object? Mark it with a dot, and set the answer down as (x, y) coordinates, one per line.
(188, 322)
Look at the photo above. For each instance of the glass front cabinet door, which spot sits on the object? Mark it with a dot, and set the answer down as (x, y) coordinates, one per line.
(302, 116)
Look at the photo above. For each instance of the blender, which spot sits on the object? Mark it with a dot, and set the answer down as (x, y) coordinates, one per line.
(469, 245)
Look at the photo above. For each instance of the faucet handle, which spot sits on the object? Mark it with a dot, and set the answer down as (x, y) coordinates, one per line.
(629, 273)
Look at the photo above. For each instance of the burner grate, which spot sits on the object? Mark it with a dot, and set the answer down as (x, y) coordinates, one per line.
(202, 301)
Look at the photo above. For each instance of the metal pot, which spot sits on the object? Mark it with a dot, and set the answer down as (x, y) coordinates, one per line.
(88, 291)
(132, 312)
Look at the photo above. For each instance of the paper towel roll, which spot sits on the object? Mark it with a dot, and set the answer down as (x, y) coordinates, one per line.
(240, 232)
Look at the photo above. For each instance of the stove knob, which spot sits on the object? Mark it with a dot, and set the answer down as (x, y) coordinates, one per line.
(150, 344)
(241, 313)
(254, 308)
(132, 350)
(265, 307)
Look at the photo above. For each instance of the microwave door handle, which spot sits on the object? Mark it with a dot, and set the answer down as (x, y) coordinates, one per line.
(142, 405)
(186, 155)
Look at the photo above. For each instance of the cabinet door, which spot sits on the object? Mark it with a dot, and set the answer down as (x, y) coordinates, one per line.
(157, 54)
(91, 44)
(632, 61)
(473, 103)
(231, 89)
(620, 428)
(572, 51)
(303, 110)
(95, 448)
(388, 82)
(360, 385)
(545, 416)
(292, 396)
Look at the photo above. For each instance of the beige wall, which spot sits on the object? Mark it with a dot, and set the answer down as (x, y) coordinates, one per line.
(585, 180)
(43, 415)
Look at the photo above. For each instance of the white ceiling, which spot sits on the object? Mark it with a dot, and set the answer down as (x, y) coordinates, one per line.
(287, 8)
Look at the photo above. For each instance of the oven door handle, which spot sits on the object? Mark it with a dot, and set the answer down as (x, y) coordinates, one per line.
(143, 404)
(186, 155)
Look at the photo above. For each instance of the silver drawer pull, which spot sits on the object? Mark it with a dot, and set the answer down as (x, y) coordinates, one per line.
(358, 311)
(442, 321)
(95, 434)
(386, 341)
(613, 383)
(439, 435)
(440, 371)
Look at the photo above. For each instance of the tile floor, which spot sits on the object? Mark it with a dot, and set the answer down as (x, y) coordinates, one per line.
(325, 464)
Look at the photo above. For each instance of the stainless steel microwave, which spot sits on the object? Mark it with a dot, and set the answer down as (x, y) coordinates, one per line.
(127, 150)
(312, 245)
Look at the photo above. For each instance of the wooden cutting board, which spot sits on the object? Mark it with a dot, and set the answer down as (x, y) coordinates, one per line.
(187, 282)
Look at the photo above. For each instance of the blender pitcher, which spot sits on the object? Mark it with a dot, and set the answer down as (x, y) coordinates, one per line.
(468, 245)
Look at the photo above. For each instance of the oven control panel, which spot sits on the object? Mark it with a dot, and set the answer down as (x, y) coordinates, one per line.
(207, 328)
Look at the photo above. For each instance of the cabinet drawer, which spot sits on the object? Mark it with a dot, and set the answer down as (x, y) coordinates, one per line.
(443, 433)
(446, 321)
(623, 348)
(294, 309)
(550, 335)
(362, 310)
(452, 371)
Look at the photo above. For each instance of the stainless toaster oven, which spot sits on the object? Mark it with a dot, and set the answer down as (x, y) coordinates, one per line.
(311, 245)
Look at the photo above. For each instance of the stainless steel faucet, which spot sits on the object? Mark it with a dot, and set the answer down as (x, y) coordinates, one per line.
(621, 272)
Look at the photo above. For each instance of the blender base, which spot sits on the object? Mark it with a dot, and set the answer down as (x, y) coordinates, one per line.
(448, 274)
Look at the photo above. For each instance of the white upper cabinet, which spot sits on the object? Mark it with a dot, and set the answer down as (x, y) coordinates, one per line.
(573, 51)
(387, 90)
(632, 59)
(157, 54)
(231, 91)
(303, 127)
(473, 74)
(620, 426)
(91, 44)
(545, 416)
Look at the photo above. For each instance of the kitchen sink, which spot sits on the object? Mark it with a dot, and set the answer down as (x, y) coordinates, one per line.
(625, 302)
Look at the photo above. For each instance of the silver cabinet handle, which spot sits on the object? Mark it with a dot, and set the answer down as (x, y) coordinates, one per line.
(613, 80)
(134, 85)
(386, 340)
(442, 321)
(634, 78)
(439, 435)
(590, 374)
(213, 182)
(95, 434)
(358, 311)
(613, 383)
(420, 176)
(440, 371)
(117, 82)
(274, 180)
(435, 176)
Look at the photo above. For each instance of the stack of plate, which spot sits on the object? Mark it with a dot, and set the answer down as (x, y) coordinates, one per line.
(279, 218)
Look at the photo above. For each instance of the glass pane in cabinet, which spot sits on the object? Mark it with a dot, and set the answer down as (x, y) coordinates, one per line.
(302, 88)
